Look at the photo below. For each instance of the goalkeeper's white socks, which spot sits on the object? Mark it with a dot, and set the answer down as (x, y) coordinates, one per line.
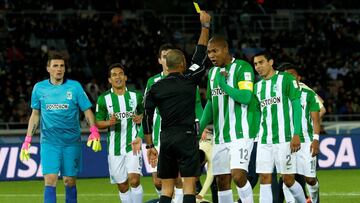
(287, 194)
(297, 192)
(225, 196)
(125, 197)
(246, 193)
(265, 193)
(178, 196)
(137, 194)
(313, 191)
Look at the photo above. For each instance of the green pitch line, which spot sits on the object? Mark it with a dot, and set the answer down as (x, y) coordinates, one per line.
(335, 186)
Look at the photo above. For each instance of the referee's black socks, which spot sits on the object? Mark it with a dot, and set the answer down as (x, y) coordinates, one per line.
(165, 199)
(189, 198)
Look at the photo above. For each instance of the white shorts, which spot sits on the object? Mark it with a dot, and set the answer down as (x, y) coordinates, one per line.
(233, 155)
(306, 164)
(121, 166)
(278, 155)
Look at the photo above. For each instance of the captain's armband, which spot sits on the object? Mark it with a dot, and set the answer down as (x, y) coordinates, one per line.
(246, 85)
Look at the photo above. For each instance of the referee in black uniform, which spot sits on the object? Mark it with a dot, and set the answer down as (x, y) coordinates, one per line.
(174, 96)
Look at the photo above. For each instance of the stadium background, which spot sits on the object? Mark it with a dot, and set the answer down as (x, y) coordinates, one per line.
(321, 36)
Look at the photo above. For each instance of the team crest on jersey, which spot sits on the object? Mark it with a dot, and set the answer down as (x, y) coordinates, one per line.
(274, 88)
(68, 95)
(131, 103)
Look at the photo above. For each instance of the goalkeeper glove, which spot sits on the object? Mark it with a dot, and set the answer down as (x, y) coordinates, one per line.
(94, 139)
(24, 154)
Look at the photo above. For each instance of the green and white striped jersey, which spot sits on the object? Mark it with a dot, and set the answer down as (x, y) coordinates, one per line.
(275, 96)
(156, 117)
(123, 107)
(231, 119)
(309, 103)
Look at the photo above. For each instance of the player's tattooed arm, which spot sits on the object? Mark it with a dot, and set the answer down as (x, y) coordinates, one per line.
(89, 117)
(33, 122)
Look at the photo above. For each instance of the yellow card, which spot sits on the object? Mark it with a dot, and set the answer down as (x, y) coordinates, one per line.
(196, 5)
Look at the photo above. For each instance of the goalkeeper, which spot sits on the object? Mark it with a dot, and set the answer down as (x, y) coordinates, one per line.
(120, 110)
(56, 102)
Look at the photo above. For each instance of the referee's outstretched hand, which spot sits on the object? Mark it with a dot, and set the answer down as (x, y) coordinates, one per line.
(152, 155)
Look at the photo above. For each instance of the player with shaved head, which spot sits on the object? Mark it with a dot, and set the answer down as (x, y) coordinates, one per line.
(232, 108)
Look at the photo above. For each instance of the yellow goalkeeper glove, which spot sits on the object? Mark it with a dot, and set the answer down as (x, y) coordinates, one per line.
(24, 154)
(94, 139)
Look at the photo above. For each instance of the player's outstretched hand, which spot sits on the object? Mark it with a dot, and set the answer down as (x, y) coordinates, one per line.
(295, 144)
(152, 155)
(314, 148)
(136, 146)
(94, 139)
(112, 120)
(24, 154)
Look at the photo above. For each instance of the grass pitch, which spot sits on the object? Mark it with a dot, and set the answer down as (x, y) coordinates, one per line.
(335, 186)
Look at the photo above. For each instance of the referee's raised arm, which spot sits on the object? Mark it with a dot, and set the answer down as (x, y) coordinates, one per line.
(200, 55)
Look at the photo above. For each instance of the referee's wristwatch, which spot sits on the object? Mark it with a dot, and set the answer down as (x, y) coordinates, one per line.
(149, 146)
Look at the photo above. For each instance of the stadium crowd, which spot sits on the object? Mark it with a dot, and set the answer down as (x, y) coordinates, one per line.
(325, 46)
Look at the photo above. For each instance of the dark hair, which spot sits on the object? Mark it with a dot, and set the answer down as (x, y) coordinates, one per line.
(115, 65)
(219, 39)
(264, 53)
(165, 47)
(55, 56)
(174, 58)
(286, 66)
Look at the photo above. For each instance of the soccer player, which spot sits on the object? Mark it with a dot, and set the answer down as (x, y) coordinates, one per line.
(309, 135)
(279, 97)
(230, 107)
(120, 110)
(55, 104)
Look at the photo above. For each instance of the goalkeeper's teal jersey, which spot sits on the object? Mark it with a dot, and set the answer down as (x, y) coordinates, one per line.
(231, 119)
(309, 103)
(275, 96)
(123, 107)
(59, 107)
(157, 118)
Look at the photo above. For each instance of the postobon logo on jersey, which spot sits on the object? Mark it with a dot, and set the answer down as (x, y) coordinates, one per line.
(57, 106)
(217, 92)
(124, 115)
(271, 101)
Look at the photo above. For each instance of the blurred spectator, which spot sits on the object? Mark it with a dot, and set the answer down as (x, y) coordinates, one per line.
(326, 46)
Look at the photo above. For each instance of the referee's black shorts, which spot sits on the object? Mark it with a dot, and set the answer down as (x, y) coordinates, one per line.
(179, 152)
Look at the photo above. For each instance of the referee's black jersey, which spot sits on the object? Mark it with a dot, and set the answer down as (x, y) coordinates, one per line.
(174, 95)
